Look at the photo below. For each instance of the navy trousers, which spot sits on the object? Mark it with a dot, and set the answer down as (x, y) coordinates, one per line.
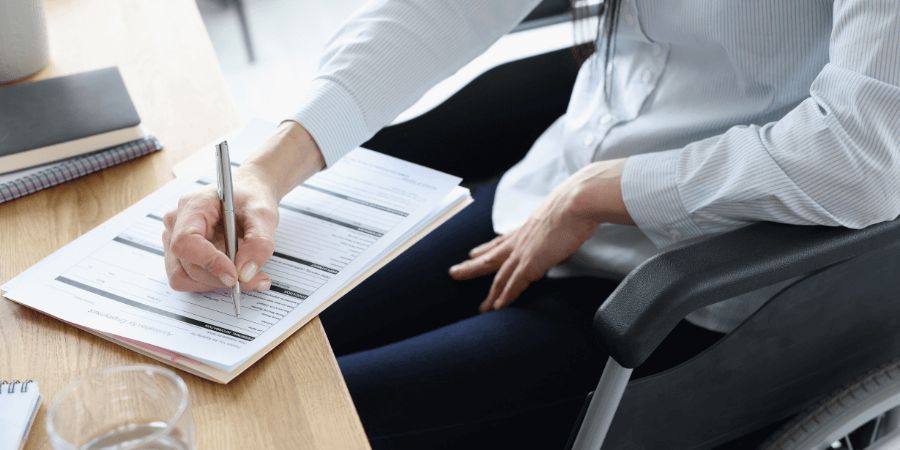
(427, 370)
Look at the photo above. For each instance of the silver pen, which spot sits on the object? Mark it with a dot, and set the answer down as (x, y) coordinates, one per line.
(226, 195)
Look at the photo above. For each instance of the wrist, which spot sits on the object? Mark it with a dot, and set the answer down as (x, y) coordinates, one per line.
(598, 193)
(286, 159)
(255, 179)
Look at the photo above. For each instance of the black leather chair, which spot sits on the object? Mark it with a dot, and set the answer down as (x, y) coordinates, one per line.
(838, 317)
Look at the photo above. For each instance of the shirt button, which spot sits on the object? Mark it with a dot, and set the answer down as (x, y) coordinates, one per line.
(675, 234)
(647, 76)
(629, 19)
(605, 119)
(589, 140)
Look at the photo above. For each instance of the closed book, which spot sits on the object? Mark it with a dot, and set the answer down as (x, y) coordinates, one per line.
(58, 118)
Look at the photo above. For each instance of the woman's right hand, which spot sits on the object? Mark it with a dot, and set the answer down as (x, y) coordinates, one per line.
(195, 245)
(194, 238)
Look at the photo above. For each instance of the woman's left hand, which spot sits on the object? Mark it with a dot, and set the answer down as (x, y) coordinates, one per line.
(566, 219)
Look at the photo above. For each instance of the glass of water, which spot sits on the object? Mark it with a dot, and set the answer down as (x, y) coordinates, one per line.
(133, 407)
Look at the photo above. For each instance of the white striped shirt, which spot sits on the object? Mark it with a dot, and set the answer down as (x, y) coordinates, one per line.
(728, 113)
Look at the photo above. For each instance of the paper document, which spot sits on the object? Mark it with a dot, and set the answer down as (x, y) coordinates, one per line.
(331, 230)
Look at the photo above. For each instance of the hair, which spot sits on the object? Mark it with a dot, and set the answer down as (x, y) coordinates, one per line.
(607, 23)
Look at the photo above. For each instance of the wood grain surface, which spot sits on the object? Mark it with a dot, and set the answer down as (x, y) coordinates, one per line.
(294, 397)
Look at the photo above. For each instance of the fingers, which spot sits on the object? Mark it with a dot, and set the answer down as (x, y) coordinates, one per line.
(498, 284)
(510, 282)
(202, 276)
(196, 279)
(200, 265)
(521, 278)
(483, 248)
(169, 219)
(512, 277)
(258, 242)
(261, 282)
(194, 251)
(179, 280)
(482, 265)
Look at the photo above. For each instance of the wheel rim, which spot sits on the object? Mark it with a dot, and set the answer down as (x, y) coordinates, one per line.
(868, 429)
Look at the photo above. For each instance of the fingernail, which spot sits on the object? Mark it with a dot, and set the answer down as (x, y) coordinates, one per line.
(248, 272)
(454, 268)
(264, 285)
(227, 280)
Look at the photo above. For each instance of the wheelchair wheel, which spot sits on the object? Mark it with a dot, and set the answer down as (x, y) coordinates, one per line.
(864, 414)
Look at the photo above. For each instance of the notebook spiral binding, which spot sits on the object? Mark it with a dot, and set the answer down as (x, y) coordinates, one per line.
(11, 389)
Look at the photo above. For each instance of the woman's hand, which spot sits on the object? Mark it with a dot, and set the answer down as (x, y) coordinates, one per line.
(193, 239)
(566, 219)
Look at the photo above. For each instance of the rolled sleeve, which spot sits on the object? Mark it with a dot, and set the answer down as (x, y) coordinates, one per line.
(650, 193)
(333, 118)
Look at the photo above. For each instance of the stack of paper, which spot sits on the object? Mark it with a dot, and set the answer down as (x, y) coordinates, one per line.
(334, 231)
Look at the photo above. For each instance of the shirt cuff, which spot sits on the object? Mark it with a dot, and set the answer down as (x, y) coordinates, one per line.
(333, 118)
(650, 193)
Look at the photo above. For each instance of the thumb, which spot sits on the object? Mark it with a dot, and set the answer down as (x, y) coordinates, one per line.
(258, 242)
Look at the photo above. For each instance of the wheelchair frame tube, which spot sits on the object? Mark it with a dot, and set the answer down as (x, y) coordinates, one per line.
(889, 442)
(603, 406)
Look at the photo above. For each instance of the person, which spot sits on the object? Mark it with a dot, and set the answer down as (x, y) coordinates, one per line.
(688, 119)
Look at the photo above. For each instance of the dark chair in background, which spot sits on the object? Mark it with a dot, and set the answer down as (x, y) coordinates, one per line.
(241, 12)
(547, 12)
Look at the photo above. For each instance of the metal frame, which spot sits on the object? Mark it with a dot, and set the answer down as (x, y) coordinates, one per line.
(888, 442)
(603, 406)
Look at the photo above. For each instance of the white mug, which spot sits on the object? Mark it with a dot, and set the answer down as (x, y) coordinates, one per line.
(23, 39)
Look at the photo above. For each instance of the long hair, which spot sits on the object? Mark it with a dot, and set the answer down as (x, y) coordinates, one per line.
(607, 23)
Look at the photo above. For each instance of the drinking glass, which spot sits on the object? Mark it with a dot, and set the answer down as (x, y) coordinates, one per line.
(138, 407)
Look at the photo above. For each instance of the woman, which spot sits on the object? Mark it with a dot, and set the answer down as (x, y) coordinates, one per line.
(691, 118)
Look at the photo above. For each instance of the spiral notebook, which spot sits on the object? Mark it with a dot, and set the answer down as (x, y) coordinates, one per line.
(19, 403)
(23, 182)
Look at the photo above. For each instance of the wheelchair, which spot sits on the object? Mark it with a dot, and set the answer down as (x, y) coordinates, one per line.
(816, 367)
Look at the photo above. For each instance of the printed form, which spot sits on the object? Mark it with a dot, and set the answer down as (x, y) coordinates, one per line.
(331, 230)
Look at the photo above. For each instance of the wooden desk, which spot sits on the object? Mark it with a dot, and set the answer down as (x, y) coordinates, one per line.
(294, 397)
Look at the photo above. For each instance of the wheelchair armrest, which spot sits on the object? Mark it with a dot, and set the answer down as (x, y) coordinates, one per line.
(659, 293)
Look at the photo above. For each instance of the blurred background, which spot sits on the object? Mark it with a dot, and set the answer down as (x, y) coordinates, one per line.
(269, 49)
(268, 64)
